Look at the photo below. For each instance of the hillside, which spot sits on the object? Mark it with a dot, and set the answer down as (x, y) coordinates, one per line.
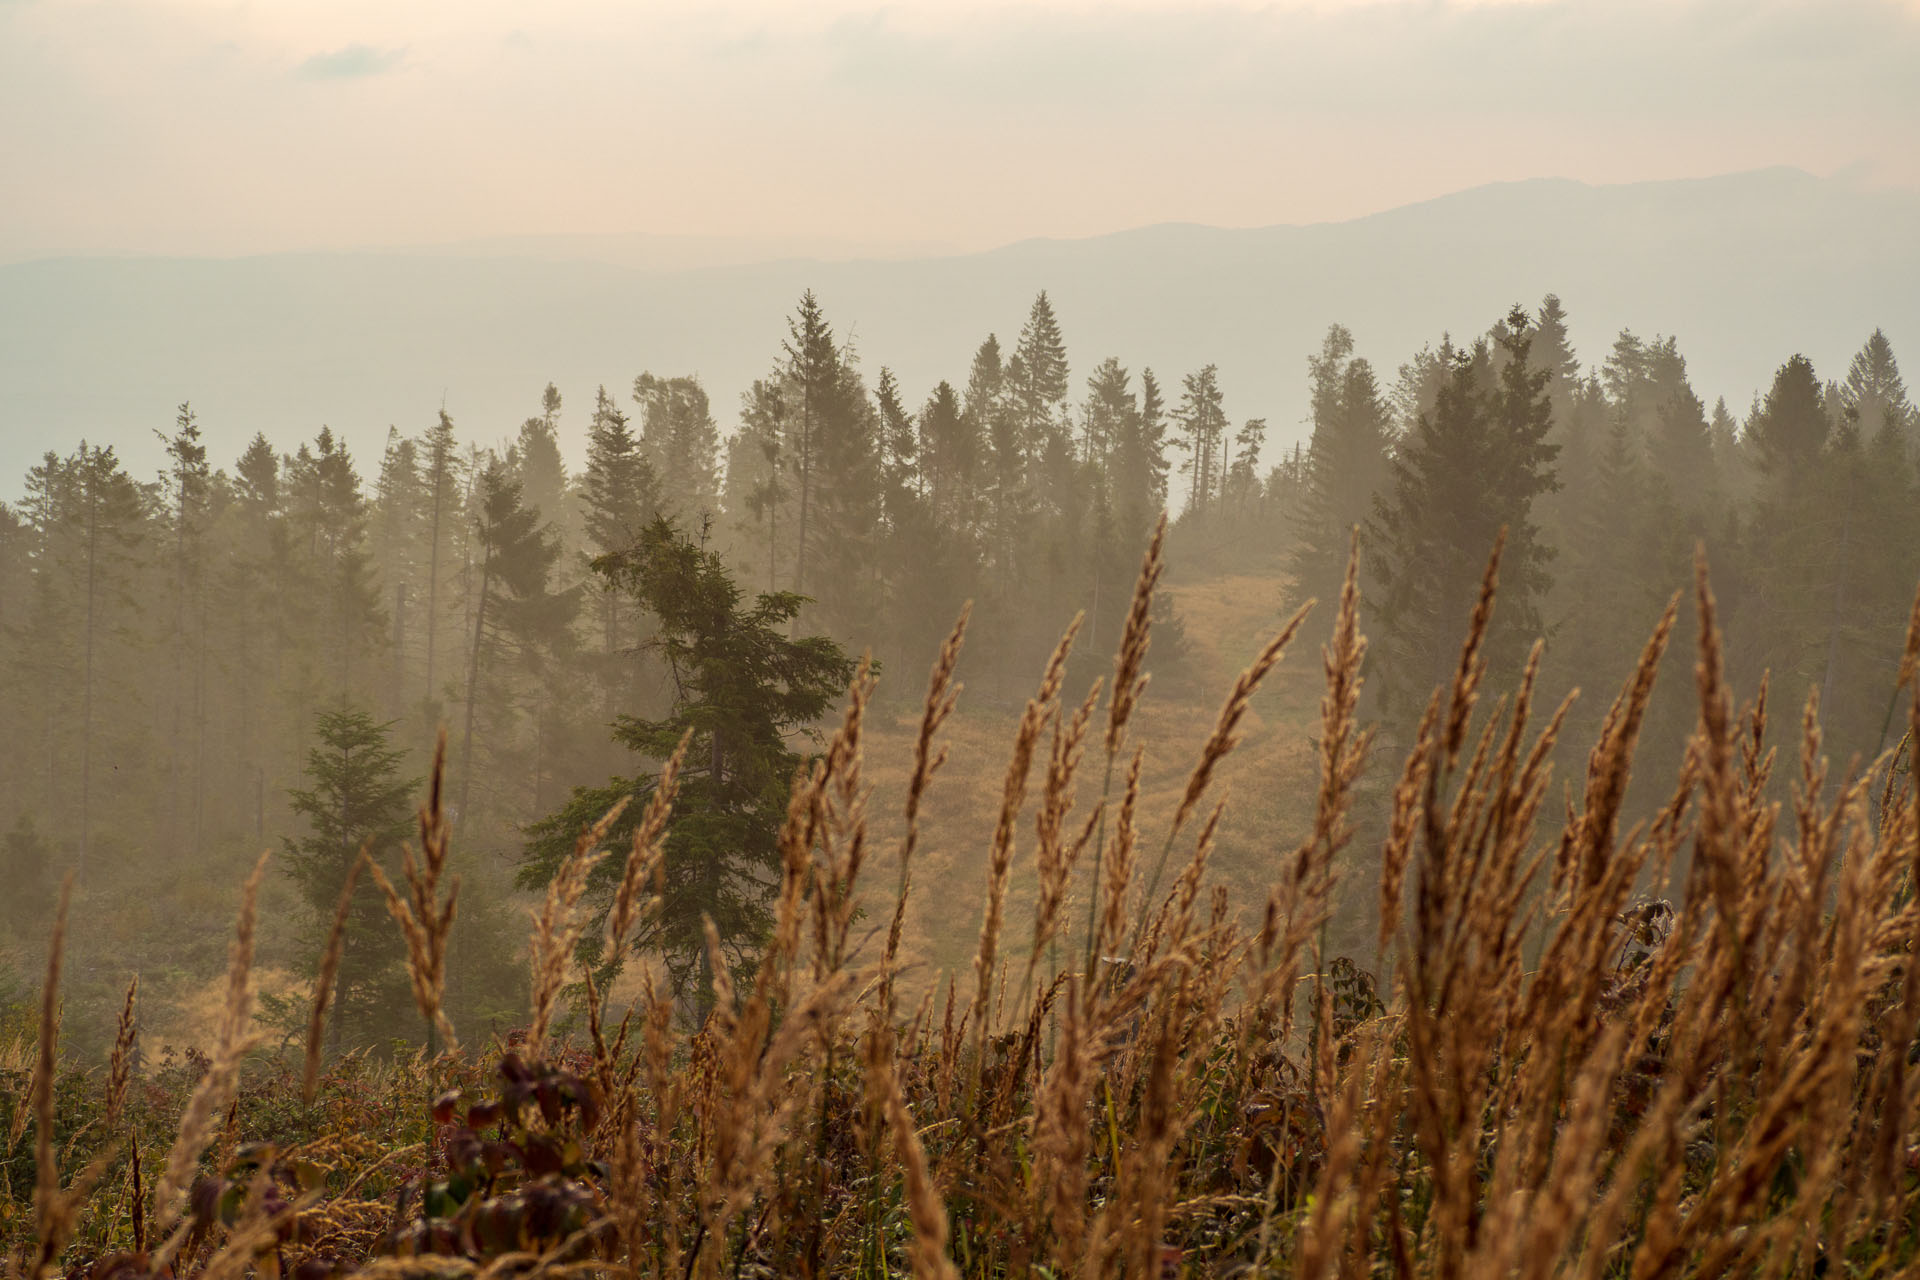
(1746, 269)
(1270, 780)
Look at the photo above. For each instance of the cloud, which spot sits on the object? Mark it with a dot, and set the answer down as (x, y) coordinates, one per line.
(353, 62)
(248, 127)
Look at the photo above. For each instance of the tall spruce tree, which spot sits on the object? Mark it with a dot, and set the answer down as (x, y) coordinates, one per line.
(758, 498)
(521, 625)
(187, 486)
(393, 541)
(539, 469)
(328, 516)
(1037, 375)
(681, 444)
(811, 382)
(93, 522)
(1877, 394)
(443, 472)
(1471, 467)
(1202, 419)
(1346, 465)
(619, 495)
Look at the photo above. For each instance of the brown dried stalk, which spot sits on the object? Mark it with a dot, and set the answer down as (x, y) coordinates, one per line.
(425, 921)
(557, 925)
(330, 957)
(1054, 855)
(1467, 675)
(120, 1060)
(942, 695)
(1129, 661)
(1013, 794)
(46, 1188)
(216, 1088)
(644, 858)
(928, 1214)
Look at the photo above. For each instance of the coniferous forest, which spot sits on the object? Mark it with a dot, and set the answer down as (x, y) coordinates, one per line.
(762, 958)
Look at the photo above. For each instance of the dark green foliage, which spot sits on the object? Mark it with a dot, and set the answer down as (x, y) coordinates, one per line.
(356, 799)
(76, 649)
(536, 463)
(680, 442)
(1467, 471)
(1346, 466)
(1792, 424)
(741, 686)
(1202, 419)
(522, 629)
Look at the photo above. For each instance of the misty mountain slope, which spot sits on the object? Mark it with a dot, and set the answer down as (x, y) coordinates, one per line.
(1270, 778)
(1745, 269)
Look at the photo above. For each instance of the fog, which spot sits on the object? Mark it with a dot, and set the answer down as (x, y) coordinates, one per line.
(434, 427)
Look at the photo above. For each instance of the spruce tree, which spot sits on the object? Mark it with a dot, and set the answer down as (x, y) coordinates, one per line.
(1471, 467)
(619, 495)
(1792, 424)
(328, 516)
(94, 523)
(1141, 465)
(260, 558)
(443, 471)
(1877, 394)
(1242, 491)
(355, 799)
(742, 689)
(681, 444)
(393, 543)
(899, 441)
(1202, 418)
(950, 460)
(1105, 415)
(849, 504)
(187, 484)
(1346, 466)
(811, 376)
(1801, 524)
(521, 627)
(539, 469)
(1037, 376)
(758, 497)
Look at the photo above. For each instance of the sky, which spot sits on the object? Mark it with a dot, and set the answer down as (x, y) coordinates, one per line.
(231, 127)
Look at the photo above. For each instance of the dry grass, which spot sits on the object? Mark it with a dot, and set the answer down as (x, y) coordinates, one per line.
(1566, 1074)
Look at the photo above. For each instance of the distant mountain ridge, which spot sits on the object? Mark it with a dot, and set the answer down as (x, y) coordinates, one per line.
(1745, 269)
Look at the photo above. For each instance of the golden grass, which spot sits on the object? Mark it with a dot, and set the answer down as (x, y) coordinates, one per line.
(1565, 1075)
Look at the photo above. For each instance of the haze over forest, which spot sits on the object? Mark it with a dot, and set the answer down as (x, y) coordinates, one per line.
(1088, 638)
(1736, 266)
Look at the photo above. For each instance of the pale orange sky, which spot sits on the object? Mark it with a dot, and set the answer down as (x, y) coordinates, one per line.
(241, 126)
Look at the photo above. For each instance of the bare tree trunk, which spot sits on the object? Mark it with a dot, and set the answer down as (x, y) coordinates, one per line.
(473, 680)
(86, 713)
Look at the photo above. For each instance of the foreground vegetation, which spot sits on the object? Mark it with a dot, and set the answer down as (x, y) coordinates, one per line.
(1588, 1048)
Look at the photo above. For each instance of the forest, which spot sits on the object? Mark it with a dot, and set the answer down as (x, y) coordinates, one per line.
(634, 901)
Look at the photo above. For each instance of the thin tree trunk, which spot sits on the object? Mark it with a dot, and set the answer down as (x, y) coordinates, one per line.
(86, 713)
(806, 485)
(473, 680)
(398, 697)
(433, 576)
(1839, 610)
(200, 727)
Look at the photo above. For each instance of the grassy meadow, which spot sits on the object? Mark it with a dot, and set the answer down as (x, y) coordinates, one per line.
(1110, 984)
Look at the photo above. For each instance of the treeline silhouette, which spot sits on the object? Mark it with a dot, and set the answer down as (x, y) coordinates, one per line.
(170, 643)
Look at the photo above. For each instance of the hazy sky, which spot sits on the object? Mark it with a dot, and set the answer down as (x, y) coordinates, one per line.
(237, 126)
